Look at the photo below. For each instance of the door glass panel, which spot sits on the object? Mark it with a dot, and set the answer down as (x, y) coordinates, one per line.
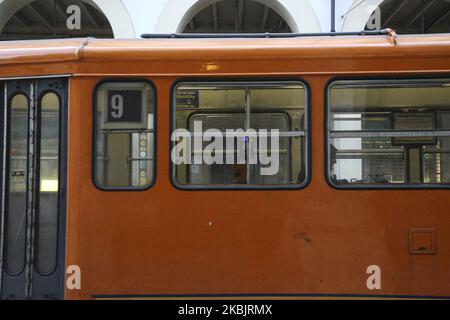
(17, 185)
(47, 214)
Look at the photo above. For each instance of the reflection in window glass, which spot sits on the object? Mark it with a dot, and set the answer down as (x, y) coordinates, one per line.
(389, 132)
(240, 134)
(49, 139)
(124, 135)
(17, 177)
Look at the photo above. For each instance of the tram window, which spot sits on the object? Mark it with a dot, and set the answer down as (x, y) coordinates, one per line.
(389, 133)
(17, 184)
(48, 200)
(124, 142)
(240, 135)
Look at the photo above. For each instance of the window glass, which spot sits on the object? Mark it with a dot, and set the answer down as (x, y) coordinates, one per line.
(239, 134)
(389, 133)
(48, 200)
(124, 147)
(17, 184)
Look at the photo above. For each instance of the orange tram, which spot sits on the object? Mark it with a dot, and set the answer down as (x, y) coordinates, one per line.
(120, 176)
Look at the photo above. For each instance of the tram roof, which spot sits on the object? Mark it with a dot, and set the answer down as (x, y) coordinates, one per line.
(66, 50)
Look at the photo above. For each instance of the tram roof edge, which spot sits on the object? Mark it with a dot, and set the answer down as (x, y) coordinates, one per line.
(35, 51)
(163, 49)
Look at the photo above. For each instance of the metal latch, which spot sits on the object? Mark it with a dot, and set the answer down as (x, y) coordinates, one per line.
(422, 241)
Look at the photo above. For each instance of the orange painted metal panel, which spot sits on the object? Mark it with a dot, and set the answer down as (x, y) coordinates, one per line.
(313, 241)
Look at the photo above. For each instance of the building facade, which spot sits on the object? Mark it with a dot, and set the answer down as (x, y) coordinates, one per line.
(31, 19)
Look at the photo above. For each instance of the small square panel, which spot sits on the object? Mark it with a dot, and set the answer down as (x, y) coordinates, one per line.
(422, 241)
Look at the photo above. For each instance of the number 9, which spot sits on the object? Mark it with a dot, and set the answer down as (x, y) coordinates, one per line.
(117, 106)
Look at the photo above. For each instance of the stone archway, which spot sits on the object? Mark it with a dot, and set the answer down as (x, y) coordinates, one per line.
(405, 16)
(40, 19)
(358, 14)
(249, 16)
(298, 14)
(415, 17)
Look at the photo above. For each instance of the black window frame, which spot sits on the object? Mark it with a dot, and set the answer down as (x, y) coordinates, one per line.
(327, 130)
(307, 130)
(7, 166)
(38, 155)
(94, 134)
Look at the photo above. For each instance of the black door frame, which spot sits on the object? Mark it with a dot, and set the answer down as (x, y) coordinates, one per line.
(29, 284)
(2, 182)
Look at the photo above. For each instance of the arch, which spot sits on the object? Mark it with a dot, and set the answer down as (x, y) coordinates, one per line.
(404, 16)
(114, 11)
(415, 17)
(358, 14)
(118, 17)
(224, 16)
(298, 14)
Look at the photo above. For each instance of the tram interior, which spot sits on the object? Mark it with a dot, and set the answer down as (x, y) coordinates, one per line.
(244, 106)
(390, 133)
(124, 144)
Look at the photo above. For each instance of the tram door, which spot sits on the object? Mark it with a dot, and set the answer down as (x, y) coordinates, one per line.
(32, 179)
